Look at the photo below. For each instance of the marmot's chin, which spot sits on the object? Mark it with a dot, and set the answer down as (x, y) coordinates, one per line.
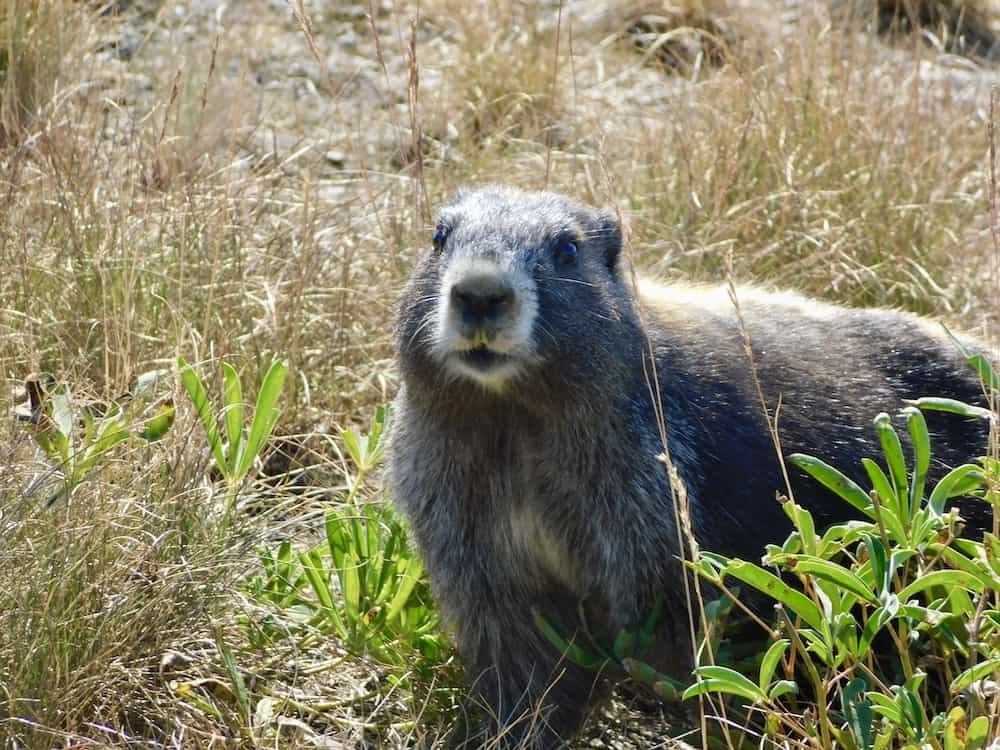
(488, 367)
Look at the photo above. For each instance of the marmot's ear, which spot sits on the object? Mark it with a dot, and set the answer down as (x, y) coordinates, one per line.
(610, 234)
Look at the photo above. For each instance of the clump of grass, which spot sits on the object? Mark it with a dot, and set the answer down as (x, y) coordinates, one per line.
(98, 587)
(502, 94)
(814, 177)
(37, 42)
(681, 37)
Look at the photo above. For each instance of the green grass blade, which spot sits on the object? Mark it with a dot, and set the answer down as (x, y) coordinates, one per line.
(232, 406)
(240, 691)
(203, 407)
(265, 415)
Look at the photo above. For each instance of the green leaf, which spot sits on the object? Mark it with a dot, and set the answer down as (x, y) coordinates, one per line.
(664, 686)
(232, 407)
(571, 650)
(991, 551)
(239, 686)
(160, 423)
(946, 578)
(647, 631)
(952, 485)
(830, 571)
(978, 361)
(768, 583)
(977, 733)
(407, 582)
(770, 662)
(350, 582)
(885, 706)
(803, 521)
(921, 441)
(974, 674)
(881, 484)
(312, 566)
(880, 566)
(374, 443)
(624, 644)
(353, 445)
(782, 687)
(876, 621)
(724, 680)
(833, 480)
(952, 406)
(265, 415)
(858, 712)
(893, 451)
(910, 707)
(957, 560)
(954, 730)
(199, 398)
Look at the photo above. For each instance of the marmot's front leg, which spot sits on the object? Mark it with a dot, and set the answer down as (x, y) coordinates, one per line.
(532, 695)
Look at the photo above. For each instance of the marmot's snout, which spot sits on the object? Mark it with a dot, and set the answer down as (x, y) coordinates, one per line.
(482, 304)
(486, 313)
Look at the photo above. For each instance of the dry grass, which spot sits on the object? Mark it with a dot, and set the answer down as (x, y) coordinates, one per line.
(225, 191)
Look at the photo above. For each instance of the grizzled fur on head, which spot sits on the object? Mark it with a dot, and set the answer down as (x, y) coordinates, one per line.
(557, 261)
(526, 438)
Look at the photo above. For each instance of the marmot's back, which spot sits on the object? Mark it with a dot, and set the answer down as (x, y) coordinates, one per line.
(832, 369)
(525, 443)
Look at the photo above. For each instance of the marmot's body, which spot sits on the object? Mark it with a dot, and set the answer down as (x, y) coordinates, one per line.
(525, 440)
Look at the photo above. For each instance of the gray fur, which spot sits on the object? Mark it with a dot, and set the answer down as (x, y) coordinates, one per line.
(546, 492)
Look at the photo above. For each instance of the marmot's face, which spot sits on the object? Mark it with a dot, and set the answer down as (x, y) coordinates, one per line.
(513, 285)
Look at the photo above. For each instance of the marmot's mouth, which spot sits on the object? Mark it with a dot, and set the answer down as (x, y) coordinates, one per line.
(482, 357)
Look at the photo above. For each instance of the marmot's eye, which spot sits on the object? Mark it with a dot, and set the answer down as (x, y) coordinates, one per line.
(440, 235)
(566, 253)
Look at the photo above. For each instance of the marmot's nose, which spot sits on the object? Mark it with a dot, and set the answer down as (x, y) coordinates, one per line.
(481, 299)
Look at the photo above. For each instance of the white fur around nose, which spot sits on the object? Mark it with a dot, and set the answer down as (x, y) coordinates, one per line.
(513, 339)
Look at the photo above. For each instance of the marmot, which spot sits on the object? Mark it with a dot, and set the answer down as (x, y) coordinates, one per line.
(525, 440)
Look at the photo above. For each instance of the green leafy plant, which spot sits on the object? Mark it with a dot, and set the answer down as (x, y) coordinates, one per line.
(78, 438)
(363, 584)
(902, 577)
(234, 449)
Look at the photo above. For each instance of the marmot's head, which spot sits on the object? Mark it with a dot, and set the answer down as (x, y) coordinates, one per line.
(517, 286)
